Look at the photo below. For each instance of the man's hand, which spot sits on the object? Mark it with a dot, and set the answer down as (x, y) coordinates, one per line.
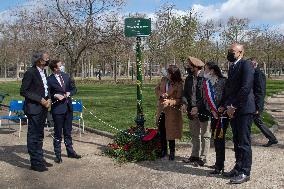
(45, 103)
(67, 94)
(194, 111)
(59, 97)
(230, 111)
(257, 112)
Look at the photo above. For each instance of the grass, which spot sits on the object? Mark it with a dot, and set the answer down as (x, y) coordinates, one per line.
(116, 104)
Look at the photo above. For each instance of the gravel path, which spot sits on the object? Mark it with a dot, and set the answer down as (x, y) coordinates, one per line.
(97, 171)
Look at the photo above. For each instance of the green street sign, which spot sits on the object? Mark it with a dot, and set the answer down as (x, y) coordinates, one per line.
(137, 27)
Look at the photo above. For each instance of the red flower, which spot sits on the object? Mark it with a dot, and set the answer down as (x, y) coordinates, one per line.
(126, 147)
(152, 133)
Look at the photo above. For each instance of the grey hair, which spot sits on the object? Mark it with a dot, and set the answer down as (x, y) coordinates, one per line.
(38, 55)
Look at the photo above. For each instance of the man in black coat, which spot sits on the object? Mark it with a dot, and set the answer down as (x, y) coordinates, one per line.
(61, 90)
(240, 104)
(35, 90)
(259, 90)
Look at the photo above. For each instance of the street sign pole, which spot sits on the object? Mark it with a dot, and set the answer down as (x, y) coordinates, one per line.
(140, 116)
(138, 27)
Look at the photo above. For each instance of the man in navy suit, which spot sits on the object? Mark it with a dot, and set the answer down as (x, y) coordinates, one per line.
(37, 101)
(239, 103)
(61, 89)
(259, 90)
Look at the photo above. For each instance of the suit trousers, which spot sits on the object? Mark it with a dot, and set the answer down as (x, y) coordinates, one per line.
(201, 133)
(265, 130)
(63, 122)
(35, 137)
(241, 128)
(219, 141)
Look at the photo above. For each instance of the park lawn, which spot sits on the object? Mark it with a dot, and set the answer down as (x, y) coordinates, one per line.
(116, 104)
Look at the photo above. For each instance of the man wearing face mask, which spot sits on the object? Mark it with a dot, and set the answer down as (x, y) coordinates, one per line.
(61, 90)
(197, 113)
(240, 106)
(37, 101)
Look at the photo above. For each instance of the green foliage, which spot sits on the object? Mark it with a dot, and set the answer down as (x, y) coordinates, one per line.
(115, 104)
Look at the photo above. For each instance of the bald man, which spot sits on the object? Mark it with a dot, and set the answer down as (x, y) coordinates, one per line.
(239, 103)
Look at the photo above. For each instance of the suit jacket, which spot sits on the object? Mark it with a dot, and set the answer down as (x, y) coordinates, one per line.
(32, 89)
(259, 89)
(239, 88)
(187, 93)
(61, 107)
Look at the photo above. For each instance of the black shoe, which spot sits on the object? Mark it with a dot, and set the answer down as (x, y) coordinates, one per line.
(191, 159)
(240, 179)
(270, 142)
(39, 168)
(76, 156)
(46, 163)
(58, 159)
(217, 172)
(232, 173)
(164, 153)
(172, 156)
(201, 162)
(212, 167)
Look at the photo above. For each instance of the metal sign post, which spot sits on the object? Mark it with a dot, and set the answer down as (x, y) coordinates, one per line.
(138, 27)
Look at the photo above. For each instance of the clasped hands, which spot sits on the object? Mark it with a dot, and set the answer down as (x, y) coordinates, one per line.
(45, 103)
(61, 97)
(230, 110)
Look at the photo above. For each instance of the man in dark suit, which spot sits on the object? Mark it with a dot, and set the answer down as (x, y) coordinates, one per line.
(240, 104)
(259, 90)
(61, 89)
(35, 90)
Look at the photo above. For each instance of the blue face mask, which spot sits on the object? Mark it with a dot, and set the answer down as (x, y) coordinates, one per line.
(62, 68)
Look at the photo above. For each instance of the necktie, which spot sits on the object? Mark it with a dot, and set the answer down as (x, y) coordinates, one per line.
(62, 82)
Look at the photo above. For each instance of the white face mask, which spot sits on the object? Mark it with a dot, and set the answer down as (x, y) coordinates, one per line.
(207, 75)
(62, 68)
(164, 72)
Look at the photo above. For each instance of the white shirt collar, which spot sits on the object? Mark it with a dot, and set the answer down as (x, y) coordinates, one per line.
(237, 61)
(39, 69)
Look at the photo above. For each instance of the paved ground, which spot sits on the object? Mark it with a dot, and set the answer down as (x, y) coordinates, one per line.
(97, 171)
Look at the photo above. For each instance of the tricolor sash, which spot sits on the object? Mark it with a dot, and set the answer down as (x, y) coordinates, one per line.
(210, 97)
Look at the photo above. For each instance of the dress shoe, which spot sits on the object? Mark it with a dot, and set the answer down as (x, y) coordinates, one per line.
(172, 156)
(270, 142)
(232, 173)
(191, 159)
(46, 163)
(212, 167)
(76, 156)
(58, 159)
(164, 153)
(39, 168)
(201, 162)
(241, 178)
(217, 172)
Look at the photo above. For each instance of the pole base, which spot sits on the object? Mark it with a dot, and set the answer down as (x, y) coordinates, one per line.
(140, 122)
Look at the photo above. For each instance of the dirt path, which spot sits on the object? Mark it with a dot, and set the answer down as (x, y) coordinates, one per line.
(97, 171)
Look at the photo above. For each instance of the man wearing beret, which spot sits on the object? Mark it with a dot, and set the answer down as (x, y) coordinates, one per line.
(35, 90)
(197, 113)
